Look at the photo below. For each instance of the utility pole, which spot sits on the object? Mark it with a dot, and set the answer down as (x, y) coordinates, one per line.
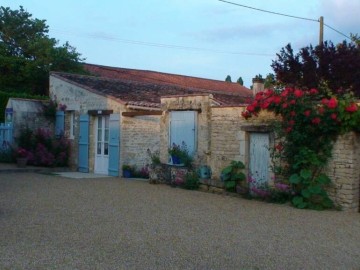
(321, 36)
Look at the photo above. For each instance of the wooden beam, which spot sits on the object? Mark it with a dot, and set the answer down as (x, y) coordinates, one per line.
(131, 114)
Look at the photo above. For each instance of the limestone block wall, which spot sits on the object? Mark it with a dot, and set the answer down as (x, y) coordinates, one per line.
(200, 103)
(137, 135)
(344, 170)
(227, 139)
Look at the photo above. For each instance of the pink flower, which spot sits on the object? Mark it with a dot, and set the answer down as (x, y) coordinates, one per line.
(298, 93)
(307, 113)
(316, 121)
(313, 91)
(351, 108)
(332, 103)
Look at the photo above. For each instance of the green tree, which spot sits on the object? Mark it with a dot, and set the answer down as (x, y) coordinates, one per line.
(240, 81)
(28, 54)
(269, 81)
(228, 78)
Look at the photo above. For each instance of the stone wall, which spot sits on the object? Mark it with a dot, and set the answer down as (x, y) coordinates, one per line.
(28, 113)
(344, 171)
(137, 135)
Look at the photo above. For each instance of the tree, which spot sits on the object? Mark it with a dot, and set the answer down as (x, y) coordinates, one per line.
(228, 78)
(336, 66)
(28, 54)
(269, 81)
(240, 81)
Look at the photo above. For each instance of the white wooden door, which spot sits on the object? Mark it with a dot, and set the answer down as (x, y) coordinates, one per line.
(259, 158)
(102, 145)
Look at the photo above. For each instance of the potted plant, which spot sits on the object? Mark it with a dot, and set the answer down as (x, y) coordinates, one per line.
(232, 174)
(21, 157)
(180, 154)
(127, 171)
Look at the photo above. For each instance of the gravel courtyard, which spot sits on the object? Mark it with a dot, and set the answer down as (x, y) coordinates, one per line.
(52, 222)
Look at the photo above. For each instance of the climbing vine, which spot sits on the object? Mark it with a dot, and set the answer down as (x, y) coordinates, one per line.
(309, 124)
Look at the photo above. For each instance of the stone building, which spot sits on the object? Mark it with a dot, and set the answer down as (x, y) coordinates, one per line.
(114, 116)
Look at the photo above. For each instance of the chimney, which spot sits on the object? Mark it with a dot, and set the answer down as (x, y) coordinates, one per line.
(258, 84)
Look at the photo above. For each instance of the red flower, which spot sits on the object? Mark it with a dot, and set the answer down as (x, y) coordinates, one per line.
(351, 108)
(292, 102)
(292, 113)
(277, 100)
(250, 108)
(333, 116)
(246, 114)
(279, 147)
(324, 101)
(316, 121)
(332, 103)
(285, 105)
(291, 122)
(288, 129)
(298, 93)
(321, 110)
(307, 113)
(313, 91)
(265, 105)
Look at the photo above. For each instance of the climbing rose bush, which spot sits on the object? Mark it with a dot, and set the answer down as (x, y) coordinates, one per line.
(309, 123)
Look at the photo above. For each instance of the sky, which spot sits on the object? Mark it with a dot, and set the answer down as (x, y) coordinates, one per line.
(201, 38)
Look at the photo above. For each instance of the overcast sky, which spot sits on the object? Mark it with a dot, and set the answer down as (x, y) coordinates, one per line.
(201, 38)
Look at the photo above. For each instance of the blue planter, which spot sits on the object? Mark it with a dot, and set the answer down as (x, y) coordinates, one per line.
(127, 173)
(175, 160)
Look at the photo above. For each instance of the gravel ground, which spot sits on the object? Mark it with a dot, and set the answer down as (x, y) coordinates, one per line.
(51, 222)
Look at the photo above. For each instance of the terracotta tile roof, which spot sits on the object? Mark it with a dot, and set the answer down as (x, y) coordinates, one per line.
(166, 78)
(145, 94)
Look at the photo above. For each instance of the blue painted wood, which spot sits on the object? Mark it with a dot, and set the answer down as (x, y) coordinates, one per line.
(183, 129)
(259, 158)
(83, 165)
(114, 144)
(59, 123)
(6, 135)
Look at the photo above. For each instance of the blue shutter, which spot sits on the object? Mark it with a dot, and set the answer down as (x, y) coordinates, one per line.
(59, 123)
(84, 143)
(183, 129)
(114, 144)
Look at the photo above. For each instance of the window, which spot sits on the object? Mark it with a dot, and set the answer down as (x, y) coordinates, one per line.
(183, 129)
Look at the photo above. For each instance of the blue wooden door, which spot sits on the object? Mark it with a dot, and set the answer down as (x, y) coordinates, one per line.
(84, 143)
(259, 158)
(183, 129)
(59, 123)
(114, 145)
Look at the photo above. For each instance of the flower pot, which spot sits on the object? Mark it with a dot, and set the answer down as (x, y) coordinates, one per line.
(127, 173)
(21, 162)
(175, 160)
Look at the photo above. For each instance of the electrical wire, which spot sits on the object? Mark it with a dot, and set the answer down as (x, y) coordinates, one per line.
(161, 45)
(267, 11)
(286, 15)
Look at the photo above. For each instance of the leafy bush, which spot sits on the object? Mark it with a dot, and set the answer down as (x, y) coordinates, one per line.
(43, 148)
(191, 181)
(232, 174)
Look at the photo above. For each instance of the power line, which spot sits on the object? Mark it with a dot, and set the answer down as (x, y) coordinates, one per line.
(271, 12)
(286, 15)
(337, 31)
(160, 45)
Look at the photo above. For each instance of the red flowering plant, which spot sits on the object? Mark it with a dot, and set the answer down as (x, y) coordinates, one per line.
(21, 153)
(308, 126)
